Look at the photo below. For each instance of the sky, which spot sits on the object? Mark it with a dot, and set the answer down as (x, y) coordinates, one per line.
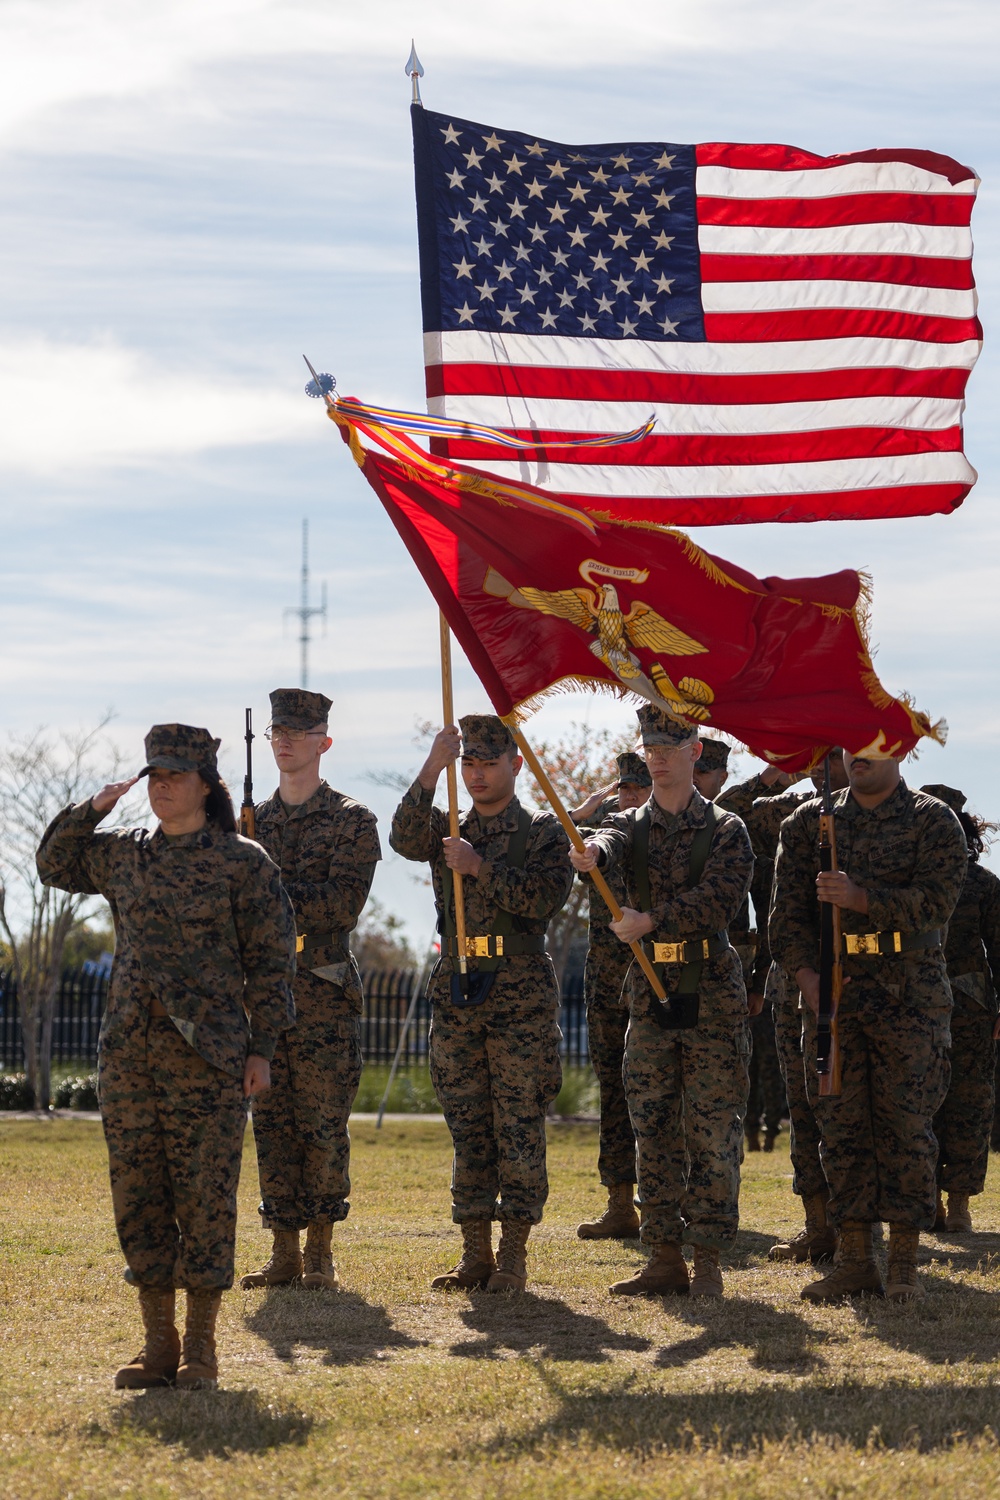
(193, 195)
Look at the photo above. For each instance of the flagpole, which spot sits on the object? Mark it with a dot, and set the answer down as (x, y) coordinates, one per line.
(448, 711)
(573, 833)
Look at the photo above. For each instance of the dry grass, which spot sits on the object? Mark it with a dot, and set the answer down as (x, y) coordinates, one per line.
(389, 1390)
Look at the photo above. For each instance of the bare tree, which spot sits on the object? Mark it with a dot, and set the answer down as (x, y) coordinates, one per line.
(40, 774)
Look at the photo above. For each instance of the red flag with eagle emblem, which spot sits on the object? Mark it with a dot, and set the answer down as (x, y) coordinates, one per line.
(544, 597)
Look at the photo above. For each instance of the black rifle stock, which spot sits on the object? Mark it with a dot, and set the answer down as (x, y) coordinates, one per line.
(246, 811)
(831, 969)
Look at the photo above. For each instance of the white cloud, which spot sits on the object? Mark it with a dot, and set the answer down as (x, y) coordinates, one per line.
(74, 406)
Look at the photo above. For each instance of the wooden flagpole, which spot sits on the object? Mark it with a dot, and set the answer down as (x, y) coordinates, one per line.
(573, 833)
(448, 711)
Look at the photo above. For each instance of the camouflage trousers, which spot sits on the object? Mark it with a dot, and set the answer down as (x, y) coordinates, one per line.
(962, 1124)
(796, 1049)
(687, 1096)
(300, 1123)
(767, 1090)
(174, 1128)
(495, 1068)
(879, 1151)
(607, 1023)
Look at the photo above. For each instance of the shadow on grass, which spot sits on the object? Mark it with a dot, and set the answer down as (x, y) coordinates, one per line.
(627, 1415)
(342, 1326)
(206, 1423)
(750, 1247)
(779, 1341)
(544, 1325)
(965, 1252)
(954, 1322)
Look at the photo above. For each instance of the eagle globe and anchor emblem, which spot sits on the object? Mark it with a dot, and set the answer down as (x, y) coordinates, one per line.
(598, 610)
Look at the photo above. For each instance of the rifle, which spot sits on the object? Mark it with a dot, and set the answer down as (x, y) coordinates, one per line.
(246, 811)
(831, 963)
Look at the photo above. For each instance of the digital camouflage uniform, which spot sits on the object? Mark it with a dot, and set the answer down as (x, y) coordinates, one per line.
(495, 1066)
(204, 937)
(758, 806)
(879, 1152)
(687, 1089)
(327, 849)
(972, 952)
(608, 961)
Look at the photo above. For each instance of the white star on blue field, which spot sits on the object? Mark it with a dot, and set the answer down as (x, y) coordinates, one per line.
(194, 196)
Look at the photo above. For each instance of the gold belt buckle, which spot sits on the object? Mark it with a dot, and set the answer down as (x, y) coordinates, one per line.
(897, 942)
(668, 953)
(705, 953)
(479, 947)
(300, 943)
(861, 943)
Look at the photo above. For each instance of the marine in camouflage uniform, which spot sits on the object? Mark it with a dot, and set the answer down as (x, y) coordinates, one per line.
(686, 1088)
(902, 861)
(764, 802)
(200, 994)
(494, 1064)
(766, 1103)
(608, 961)
(326, 847)
(972, 952)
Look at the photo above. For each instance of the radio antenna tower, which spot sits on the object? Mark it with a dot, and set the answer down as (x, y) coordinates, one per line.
(304, 611)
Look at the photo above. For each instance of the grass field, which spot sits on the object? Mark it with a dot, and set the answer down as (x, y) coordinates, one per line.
(390, 1390)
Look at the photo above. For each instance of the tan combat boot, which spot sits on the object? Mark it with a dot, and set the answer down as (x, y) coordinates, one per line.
(901, 1283)
(199, 1368)
(752, 1133)
(511, 1273)
(940, 1217)
(619, 1221)
(959, 1218)
(283, 1266)
(157, 1360)
(854, 1268)
(664, 1274)
(707, 1278)
(477, 1263)
(317, 1262)
(816, 1242)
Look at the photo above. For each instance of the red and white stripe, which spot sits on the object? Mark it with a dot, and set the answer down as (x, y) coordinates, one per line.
(840, 314)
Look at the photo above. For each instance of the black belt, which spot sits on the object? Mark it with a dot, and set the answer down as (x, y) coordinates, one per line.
(307, 941)
(888, 944)
(513, 945)
(691, 950)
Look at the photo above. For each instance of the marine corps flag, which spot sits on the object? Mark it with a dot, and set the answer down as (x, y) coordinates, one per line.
(544, 597)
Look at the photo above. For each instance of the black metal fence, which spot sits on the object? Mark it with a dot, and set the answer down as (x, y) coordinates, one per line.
(388, 993)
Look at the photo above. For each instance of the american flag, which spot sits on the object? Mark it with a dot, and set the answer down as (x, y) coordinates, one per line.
(802, 327)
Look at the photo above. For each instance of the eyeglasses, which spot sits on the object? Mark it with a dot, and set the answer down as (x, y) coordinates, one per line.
(274, 733)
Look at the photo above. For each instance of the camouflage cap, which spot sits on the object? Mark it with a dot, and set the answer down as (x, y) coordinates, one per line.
(659, 728)
(632, 770)
(714, 755)
(485, 737)
(179, 747)
(951, 795)
(294, 708)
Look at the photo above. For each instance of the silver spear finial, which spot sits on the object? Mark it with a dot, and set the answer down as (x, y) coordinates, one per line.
(414, 71)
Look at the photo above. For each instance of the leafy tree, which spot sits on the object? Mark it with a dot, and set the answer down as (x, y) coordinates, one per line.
(379, 941)
(40, 774)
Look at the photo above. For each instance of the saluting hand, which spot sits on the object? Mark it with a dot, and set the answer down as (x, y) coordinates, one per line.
(460, 856)
(633, 925)
(586, 809)
(111, 794)
(447, 747)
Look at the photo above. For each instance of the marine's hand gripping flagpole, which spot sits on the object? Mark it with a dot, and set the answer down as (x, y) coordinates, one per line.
(448, 712)
(573, 834)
